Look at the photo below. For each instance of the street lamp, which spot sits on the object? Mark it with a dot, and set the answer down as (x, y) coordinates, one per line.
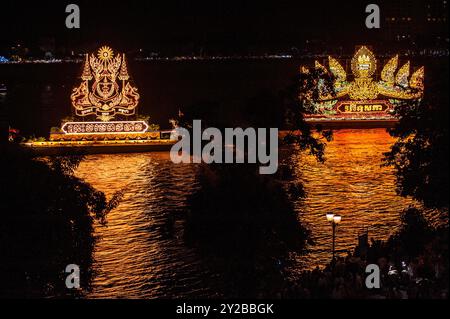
(330, 217)
(334, 220)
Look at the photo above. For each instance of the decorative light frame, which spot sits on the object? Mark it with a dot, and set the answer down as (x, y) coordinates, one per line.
(111, 127)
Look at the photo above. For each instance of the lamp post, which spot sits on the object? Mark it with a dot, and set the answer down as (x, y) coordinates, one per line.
(334, 220)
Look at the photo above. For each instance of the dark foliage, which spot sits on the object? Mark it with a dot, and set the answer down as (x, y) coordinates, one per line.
(413, 236)
(47, 223)
(297, 102)
(413, 264)
(421, 155)
(246, 224)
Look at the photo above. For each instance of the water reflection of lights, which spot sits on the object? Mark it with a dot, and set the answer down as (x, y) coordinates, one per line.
(141, 256)
(137, 255)
(351, 183)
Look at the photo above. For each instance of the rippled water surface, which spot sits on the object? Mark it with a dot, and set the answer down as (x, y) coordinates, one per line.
(353, 184)
(140, 254)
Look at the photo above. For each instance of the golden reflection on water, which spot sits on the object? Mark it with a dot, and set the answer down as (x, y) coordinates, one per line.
(139, 255)
(351, 183)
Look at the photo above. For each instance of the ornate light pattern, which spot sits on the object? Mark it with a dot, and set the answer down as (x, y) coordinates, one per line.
(110, 93)
(393, 87)
(388, 73)
(104, 92)
(417, 79)
(402, 75)
(320, 66)
(337, 70)
(304, 69)
(105, 53)
(363, 89)
(363, 63)
(105, 127)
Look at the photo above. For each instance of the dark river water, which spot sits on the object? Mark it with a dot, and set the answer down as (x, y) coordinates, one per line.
(136, 255)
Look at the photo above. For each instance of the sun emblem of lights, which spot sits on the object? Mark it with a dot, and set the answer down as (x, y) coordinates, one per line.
(105, 53)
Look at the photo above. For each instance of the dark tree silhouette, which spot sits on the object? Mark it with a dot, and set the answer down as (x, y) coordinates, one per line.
(243, 222)
(47, 217)
(298, 100)
(420, 155)
(414, 233)
(246, 226)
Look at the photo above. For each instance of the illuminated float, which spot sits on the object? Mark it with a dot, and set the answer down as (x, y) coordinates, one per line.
(359, 96)
(104, 106)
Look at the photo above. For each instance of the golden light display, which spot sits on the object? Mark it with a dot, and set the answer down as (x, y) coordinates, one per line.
(363, 97)
(118, 127)
(110, 92)
(104, 94)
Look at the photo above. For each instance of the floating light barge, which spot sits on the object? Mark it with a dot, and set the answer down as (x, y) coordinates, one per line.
(105, 95)
(361, 100)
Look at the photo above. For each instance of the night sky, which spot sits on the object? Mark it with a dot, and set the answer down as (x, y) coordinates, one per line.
(165, 25)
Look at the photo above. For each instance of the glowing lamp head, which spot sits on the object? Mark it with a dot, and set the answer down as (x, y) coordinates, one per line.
(105, 53)
(330, 217)
(337, 219)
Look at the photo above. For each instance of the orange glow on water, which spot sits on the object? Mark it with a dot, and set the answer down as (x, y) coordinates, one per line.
(136, 256)
(140, 256)
(353, 184)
